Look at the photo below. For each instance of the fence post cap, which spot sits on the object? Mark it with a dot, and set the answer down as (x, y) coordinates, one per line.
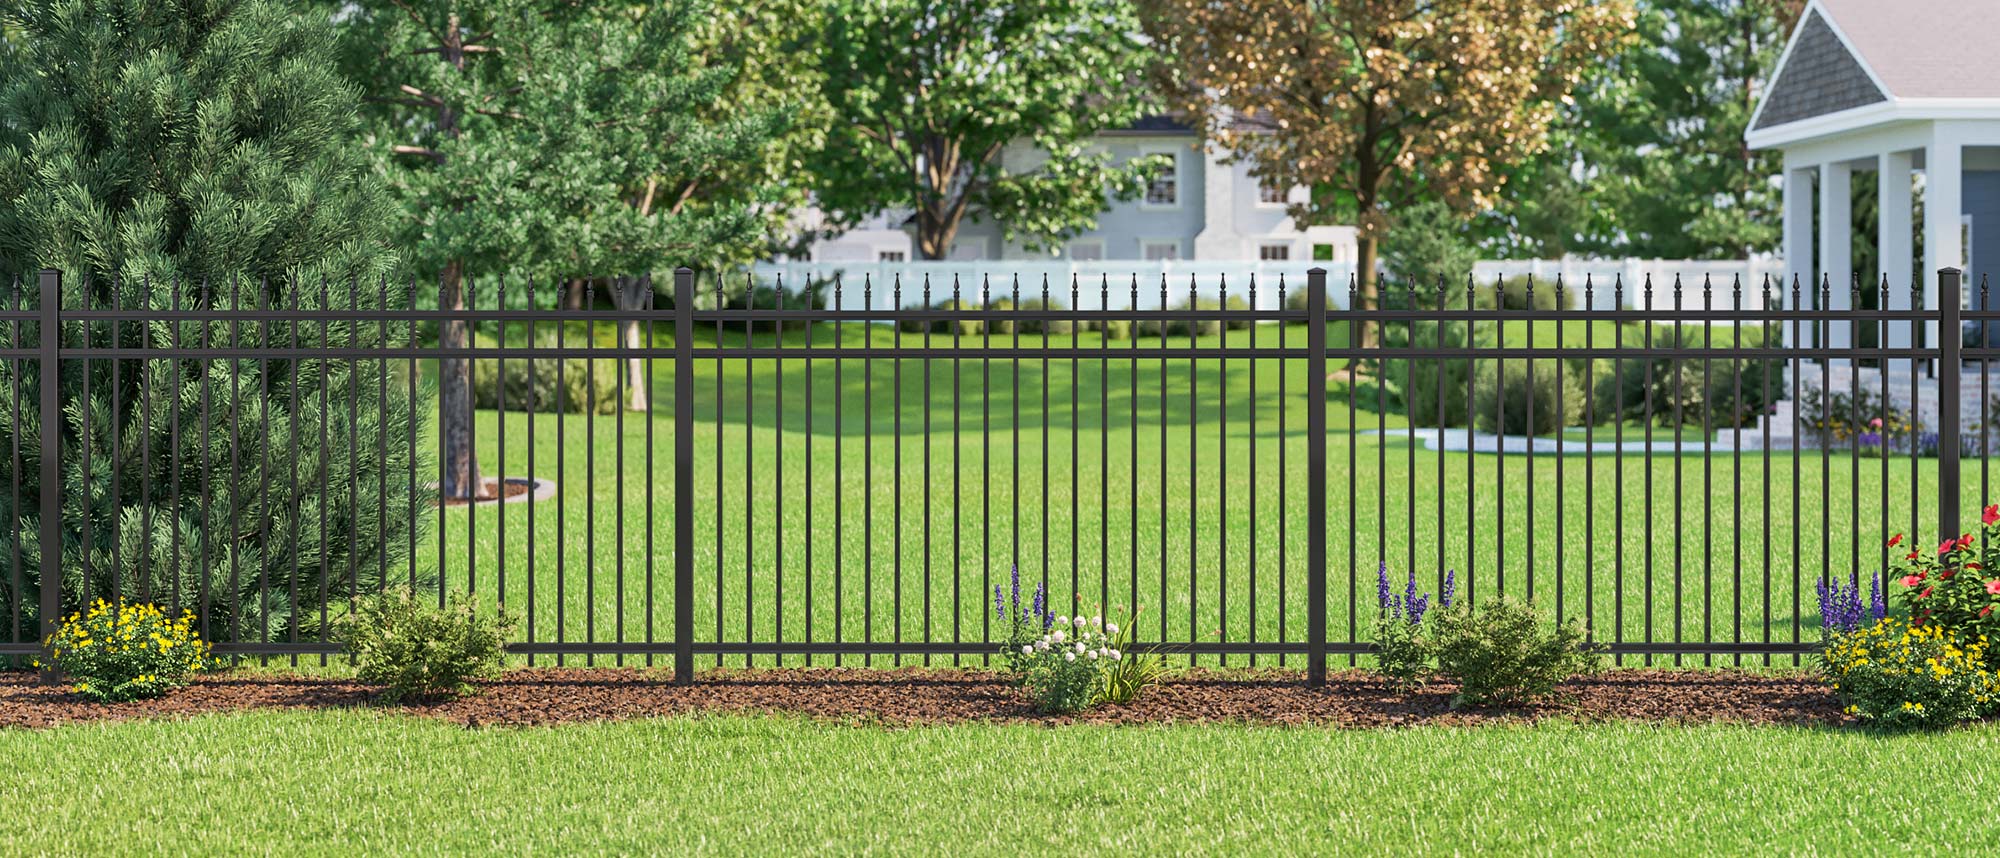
(1949, 270)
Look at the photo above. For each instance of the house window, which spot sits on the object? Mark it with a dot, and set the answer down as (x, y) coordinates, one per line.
(1086, 250)
(1274, 252)
(1164, 187)
(1270, 192)
(1153, 251)
(889, 256)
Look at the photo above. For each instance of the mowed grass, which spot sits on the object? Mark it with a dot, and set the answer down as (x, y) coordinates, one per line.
(373, 782)
(882, 500)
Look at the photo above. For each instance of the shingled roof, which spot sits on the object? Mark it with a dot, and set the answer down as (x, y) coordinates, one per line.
(1847, 54)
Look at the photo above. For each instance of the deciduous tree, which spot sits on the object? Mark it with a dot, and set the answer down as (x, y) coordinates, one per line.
(928, 93)
(1375, 104)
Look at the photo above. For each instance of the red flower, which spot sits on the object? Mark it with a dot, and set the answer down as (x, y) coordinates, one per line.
(1972, 566)
(1913, 580)
(1926, 593)
(1991, 514)
(1993, 586)
(1893, 540)
(1947, 546)
(1910, 556)
(1948, 573)
(1986, 610)
(1966, 541)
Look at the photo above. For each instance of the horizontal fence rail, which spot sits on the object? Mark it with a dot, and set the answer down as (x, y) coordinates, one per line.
(789, 473)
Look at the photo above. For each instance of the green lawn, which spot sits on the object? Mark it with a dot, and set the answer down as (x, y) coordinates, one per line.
(1215, 465)
(341, 782)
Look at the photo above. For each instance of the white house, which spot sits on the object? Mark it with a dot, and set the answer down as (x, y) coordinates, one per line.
(1905, 94)
(1196, 208)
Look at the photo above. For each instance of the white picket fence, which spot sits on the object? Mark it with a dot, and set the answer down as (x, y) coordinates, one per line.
(1109, 284)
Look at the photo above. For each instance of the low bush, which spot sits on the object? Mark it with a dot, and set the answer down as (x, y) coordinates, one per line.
(1434, 390)
(1862, 418)
(420, 650)
(1505, 653)
(1520, 293)
(1528, 395)
(115, 653)
(547, 384)
(1000, 326)
(1198, 327)
(1055, 327)
(1899, 674)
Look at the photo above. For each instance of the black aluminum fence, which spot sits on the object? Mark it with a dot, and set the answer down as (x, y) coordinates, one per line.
(862, 483)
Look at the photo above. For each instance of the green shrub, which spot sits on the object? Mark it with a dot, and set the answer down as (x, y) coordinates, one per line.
(420, 650)
(1505, 653)
(1198, 327)
(547, 384)
(1625, 389)
(1058, 327)
(1000, 326)
(1297, 296)
(1423, 380)
(115, 653)
(1898, 675)
(1513, 294)
(1064, 669)
(1527, 388)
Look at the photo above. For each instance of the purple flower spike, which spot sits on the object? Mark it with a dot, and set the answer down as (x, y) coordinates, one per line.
(1383, 595)
(1450, 585)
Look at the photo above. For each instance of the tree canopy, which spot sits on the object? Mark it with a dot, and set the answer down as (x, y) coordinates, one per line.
(1377, 104)
(930, 93)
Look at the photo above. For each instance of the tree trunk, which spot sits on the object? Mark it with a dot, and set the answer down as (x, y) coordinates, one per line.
(459, 473)
(630, 294)
(574, 292)
(1366, 247)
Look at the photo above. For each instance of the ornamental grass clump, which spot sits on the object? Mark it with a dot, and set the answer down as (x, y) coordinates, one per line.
(1898, 674)
(1132, 672)
(115, 653)
(420, 650)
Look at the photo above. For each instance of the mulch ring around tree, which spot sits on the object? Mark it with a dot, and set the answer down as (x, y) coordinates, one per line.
(915, 696)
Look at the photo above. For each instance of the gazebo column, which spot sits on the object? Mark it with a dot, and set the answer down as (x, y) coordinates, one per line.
(1895, 237)
(1798, 237)
(1943, 209)
(1836, 247)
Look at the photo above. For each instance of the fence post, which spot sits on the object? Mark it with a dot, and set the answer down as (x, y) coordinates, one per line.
(683, 476)
(1316, 476)
(1950, 336)
(51, 481)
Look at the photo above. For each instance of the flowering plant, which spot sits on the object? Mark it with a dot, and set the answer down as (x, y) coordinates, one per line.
(1840, 606)
(1900, 674)
(114, 653)
(1402, 649)
(1063, 669)
(1956, 585)
(1023, 624)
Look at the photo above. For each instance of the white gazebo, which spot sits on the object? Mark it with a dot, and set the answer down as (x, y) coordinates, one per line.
(1897, 88)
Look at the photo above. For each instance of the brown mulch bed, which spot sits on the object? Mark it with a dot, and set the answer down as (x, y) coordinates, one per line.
(911, 696)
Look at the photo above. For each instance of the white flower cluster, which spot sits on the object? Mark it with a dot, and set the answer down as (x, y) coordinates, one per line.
(1077, 637)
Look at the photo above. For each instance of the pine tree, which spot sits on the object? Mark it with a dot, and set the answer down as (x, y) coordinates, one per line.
(198, 154)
